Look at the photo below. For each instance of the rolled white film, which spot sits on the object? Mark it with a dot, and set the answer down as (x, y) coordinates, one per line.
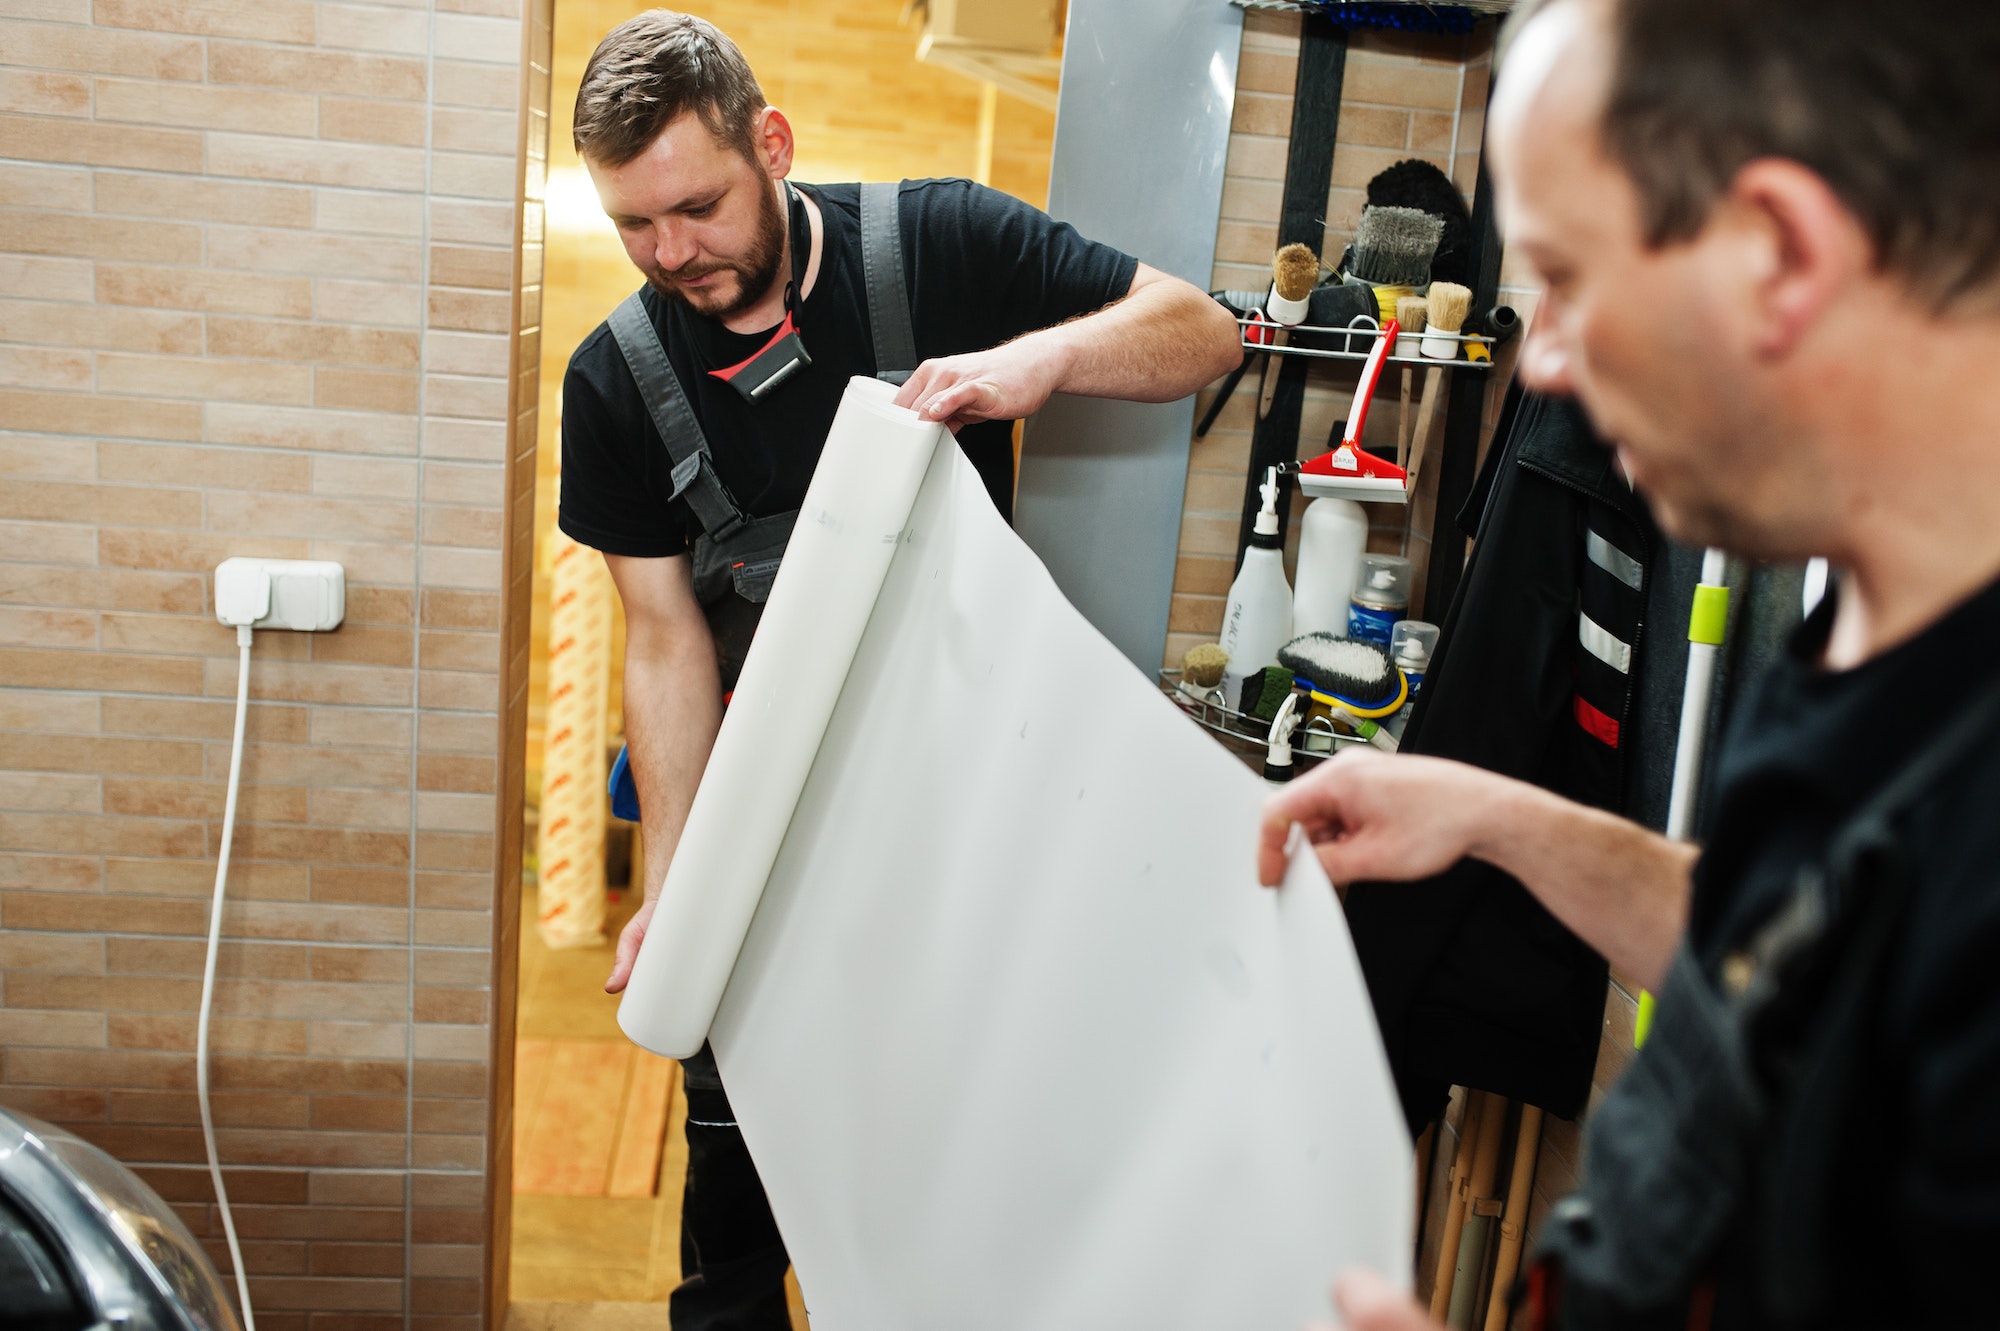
(1015, 1038)
(854, 513)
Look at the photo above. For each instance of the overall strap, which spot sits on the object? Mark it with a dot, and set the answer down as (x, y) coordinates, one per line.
(888, 293)
(694, 472)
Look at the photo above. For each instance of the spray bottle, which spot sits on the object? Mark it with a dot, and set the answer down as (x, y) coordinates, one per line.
(1333, 535)
(1258, 620)
(1278, 765)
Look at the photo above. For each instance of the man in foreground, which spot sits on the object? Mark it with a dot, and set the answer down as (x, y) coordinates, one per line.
(1770, 236)
(761, 300)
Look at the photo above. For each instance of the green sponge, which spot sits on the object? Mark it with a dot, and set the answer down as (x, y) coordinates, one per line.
(1264, 692)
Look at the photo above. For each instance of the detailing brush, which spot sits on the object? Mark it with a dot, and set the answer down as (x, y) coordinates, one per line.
(1449, 304)
(1392, 252)
(1201, 671)
(1412, 314)
(1294, 274)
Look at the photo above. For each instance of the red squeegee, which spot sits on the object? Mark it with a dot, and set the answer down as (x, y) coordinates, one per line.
(1349, 471)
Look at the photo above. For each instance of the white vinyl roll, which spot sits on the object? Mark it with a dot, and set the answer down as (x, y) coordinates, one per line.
(1015, 1038)
(855, 509)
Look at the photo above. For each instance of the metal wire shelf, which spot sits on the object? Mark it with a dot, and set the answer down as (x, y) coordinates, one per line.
(1311, 743)
(1314, 6)
(1363, 333)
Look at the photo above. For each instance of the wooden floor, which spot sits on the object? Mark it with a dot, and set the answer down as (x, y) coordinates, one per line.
(602, 1260)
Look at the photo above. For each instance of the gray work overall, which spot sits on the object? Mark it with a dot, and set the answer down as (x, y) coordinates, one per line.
(737, 553)
(730, 1249)
(1721, 1144)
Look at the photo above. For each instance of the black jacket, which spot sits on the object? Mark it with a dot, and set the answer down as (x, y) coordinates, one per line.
(1537, 677)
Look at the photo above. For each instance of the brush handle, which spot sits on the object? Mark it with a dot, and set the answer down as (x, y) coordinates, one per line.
(1267, 387)
(1402, 422)
(1364, 392)
(1427, 417)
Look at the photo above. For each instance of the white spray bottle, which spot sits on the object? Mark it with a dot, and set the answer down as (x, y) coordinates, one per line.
(1333, 535)
(1258, 620)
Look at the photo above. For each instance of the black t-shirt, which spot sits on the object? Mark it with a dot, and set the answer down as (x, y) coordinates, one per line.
(1921, 1193)
(981, 266)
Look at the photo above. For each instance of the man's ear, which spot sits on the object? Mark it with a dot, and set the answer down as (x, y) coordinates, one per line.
(773, 136)
(1799, 247)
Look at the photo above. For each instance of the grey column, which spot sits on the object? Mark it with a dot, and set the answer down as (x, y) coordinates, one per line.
(1142, 133)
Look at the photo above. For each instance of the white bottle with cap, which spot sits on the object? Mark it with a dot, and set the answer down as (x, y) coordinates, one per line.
(1333, 534)
(1258, 619)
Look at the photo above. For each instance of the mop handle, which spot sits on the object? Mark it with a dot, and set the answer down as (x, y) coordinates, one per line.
(1364, 392)
(1708, 623)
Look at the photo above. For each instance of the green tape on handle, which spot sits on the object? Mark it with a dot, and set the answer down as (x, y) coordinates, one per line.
(1642, 1025)
(1711, 614)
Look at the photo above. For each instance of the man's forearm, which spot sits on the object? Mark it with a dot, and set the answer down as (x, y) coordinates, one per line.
(673, 708)
(1620, 887)
(1159, 344)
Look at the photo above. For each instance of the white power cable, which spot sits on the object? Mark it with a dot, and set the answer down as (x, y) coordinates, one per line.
(208, 971)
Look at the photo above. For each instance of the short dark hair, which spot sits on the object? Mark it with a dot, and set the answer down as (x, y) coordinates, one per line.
(651, 69)
(1896, 107)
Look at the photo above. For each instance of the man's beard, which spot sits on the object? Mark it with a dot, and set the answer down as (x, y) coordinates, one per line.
(755, 271)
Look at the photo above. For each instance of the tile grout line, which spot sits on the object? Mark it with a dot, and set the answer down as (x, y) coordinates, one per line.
(416, 673)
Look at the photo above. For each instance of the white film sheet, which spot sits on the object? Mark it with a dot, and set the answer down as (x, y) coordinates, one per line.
(1017, 1041)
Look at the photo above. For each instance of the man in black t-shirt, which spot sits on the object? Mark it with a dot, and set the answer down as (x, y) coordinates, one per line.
(1769, 240)
(1005, 308)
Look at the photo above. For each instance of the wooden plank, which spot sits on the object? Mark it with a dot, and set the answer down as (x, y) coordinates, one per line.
(642, 1129)
(531, 1066)
(568, 1145)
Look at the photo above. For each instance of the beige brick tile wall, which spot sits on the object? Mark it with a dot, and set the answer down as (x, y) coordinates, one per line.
(1402, 97)
(259, 264)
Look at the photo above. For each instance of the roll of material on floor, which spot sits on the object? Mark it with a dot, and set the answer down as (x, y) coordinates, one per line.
(1014, 1037)
(569, 836)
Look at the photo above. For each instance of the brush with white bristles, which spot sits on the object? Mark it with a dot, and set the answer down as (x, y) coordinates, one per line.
(1294, 274)
(1449, 304)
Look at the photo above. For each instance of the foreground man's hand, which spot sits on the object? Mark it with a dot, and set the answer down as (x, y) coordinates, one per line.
(1367, 1302)
(1373, 816)
(628, 948)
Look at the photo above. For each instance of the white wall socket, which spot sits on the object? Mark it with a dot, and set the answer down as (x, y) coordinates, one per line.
(307, 595)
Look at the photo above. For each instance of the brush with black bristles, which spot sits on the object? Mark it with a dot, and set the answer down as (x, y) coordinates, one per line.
(1415, 183)
(1392, 252)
